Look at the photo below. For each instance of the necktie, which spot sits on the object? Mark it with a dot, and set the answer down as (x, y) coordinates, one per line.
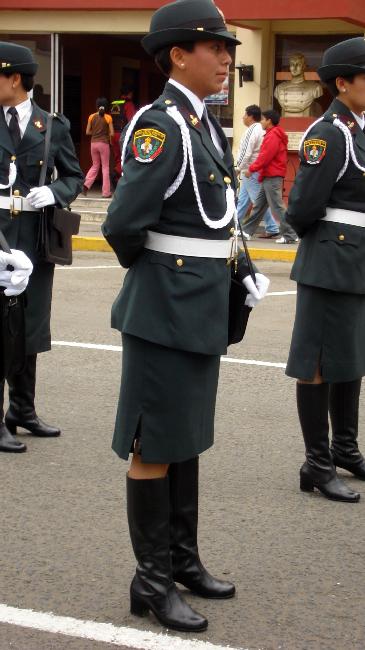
(14, 126)
(204, 121)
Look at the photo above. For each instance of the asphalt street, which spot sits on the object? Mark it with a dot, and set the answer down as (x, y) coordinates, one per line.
(297, 559)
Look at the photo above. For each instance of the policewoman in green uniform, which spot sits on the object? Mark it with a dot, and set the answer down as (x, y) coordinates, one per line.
(22, 136)
(327, 210)
(170, 223)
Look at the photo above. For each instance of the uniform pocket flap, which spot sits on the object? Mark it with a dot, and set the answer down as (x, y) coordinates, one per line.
(177, 263)
(341, 234)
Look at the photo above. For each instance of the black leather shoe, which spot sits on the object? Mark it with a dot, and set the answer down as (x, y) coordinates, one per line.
(187, 568)
(8, 443)
(356, 468)
(333, 488)
(35, 426)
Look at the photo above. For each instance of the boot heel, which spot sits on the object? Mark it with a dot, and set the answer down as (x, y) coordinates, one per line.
(306, 484)
(11, 427)
(138, 608)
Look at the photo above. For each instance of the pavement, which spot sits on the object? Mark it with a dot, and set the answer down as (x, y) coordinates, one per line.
(91, 239)
(296, 558)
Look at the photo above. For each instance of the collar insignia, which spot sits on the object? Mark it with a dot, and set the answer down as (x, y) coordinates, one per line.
(194, 120)
(38, 124)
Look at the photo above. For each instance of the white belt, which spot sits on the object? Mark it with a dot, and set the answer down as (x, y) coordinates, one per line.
(176, 245)
(350, 217)
(16, 204)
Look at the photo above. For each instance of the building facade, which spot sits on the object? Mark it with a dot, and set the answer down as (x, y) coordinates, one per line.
(84, 52)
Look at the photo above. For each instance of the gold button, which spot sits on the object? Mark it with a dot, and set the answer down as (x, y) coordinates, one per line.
(227, 180)
(180, 262)
(16, 193)
(13, 158)
(334, 114)
(15, 213)
(341, 237)
(211, 177)
(232, 231)
(41, 162)
(168, 101)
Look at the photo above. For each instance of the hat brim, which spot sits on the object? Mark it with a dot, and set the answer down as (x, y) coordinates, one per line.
(154, 42)
(327, 72)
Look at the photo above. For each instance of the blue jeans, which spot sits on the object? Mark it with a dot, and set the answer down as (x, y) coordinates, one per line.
(249, 190)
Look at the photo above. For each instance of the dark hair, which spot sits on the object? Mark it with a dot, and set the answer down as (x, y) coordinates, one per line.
(27, 80)
(272, 115)
(126, 89)
(163, 59)
(331, 84)
(102, 105)
(254, 111)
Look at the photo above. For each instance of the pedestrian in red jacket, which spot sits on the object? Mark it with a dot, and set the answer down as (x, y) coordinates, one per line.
(271, 165)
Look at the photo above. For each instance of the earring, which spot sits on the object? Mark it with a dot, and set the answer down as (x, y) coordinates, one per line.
(344, 90)
(182, 65)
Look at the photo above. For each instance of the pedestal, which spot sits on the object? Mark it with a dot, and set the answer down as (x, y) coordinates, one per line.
(295, 127)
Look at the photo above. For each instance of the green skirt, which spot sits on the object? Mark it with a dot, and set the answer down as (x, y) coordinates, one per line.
(329, 330)
(167, 401)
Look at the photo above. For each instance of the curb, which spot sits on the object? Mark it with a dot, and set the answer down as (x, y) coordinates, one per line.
(99, 244)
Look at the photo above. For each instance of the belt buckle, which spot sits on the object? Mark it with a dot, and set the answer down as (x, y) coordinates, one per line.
(16, 205)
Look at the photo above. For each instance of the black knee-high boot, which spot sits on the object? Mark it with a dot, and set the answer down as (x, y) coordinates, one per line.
(344, 412)
(21, 412)
(318, 470)
(153, 588)
(7, 441)
(187, 568)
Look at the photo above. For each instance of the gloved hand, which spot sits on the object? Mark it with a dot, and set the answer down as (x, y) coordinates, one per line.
(39, 197)
(258, 292)
(16, 281)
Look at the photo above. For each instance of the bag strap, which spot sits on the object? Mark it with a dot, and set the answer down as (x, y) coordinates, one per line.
(47, 145)
(4, 244)
(248, 257)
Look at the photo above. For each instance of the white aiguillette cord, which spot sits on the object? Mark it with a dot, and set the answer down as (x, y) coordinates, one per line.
(174, 113)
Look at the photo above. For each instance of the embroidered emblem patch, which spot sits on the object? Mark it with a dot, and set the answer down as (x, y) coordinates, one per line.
(314, 151)
(148, 144)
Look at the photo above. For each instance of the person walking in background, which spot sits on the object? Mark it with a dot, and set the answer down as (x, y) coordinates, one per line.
(122, 111)
(271, 164)
(249, 150)
(100, 127)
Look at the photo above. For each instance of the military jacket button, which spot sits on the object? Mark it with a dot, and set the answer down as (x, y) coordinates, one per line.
(227, 180)
(168, 101)
(212, 177)
(16, 193)
(179, 262)
(341, 237)
(13, 158)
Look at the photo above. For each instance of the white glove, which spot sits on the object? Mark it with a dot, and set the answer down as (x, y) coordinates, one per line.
(16, 281)
(39, 197)
(258, 292)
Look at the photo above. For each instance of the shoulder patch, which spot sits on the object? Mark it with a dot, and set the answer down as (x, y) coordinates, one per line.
(314, 150)
(148, 144)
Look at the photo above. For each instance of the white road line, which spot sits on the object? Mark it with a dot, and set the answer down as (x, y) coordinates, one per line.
(81, 268)
(118, 348)
(103, 632)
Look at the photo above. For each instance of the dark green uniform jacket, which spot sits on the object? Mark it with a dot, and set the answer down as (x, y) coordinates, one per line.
(330, 255)
(180, 305)
(21, 231)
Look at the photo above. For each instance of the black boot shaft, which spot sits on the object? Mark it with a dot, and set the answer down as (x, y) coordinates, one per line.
(344, 411)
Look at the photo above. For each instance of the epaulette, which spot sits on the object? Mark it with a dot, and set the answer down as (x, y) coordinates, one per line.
(351, 124)
(62, 118)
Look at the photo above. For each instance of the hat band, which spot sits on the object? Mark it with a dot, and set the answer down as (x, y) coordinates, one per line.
(208, 24)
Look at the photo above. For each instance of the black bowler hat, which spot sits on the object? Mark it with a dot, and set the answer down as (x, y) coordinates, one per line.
(343, 59)
(186, 20)
(16, 58)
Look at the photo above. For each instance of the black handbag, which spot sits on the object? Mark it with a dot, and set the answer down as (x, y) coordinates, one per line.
(238, 312)
(56, 225)
(12, 329)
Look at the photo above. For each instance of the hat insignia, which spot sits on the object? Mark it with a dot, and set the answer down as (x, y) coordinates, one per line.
(5, 65)
(38, 124)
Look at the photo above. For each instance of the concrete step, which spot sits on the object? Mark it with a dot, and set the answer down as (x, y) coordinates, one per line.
(92, 209)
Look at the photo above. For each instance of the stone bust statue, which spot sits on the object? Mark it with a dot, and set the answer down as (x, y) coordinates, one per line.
(296, 96)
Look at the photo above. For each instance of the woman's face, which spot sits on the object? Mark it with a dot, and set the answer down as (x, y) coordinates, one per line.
(204, 69)
(353, 93)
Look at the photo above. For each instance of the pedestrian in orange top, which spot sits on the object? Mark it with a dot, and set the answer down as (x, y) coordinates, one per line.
(100, 127)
